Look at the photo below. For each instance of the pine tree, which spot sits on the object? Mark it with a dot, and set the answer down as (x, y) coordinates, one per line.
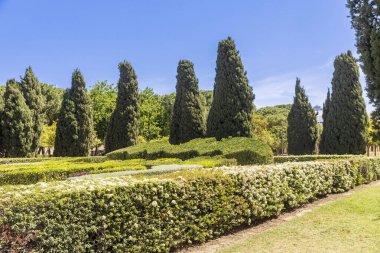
(302, 124)
(326, 106)
(187, 120)
(123, 128)
(346, 126)
(232, 107)
(75, 125)
(17, 123)
(31, 90)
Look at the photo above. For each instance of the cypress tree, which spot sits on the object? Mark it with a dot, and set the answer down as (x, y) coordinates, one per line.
(123, 127)
(75, 125)
(187, 120)
(31, 90)
(346, 127)
(326, 106)
(17, 123)
(365, 21)
(302, 124)
(232, 107)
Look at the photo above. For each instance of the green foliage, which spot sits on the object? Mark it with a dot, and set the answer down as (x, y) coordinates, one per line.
(365, 20)
(302, 124)
(261, 130)
(52, 97)
(232, 106)
(31, 90)
(244, 150)
(187, 120)
(59, 169)
(159, 215)
(323, 148)
(277, 119)
(151, 114)
(211, 162)
(16, 123)
(103, 98)
(32, 170)
(308, 158)
(48, 135)
(123, 127)
(346, 122)
(75, 125)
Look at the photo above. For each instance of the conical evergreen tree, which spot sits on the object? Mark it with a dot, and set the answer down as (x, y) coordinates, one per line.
(326, 106)
(17, 123)
(232, 107)
(75, 125)
(31, 91)
(346, 127)
(123, 127)
(302, 124)
(187, 121)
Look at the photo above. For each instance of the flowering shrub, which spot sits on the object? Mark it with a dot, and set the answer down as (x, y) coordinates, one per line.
(243, 150)
(164, 212)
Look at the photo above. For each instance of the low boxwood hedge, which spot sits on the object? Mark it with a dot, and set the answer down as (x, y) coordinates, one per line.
(308, 158)
(243, 150)
(59, 169)
(166, 211)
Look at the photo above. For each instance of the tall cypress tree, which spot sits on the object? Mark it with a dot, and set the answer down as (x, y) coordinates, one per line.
(75, 125)
(365, 20)
(232, 107)
(187, 120)
(346, 127)
(302, 124)
(17, 123)
(31, 90)
(123, 127)
(326, 107)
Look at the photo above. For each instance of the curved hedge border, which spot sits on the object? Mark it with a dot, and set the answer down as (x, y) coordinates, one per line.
(244, 150)
(166, 212)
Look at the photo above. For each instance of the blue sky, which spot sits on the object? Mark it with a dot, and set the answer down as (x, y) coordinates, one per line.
(278, 41)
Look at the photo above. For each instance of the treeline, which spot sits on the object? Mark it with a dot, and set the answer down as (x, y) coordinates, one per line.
(74, 120)
(345, 120)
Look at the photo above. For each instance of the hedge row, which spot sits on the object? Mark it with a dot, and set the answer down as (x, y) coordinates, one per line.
(244, 150)
(308, 158)
(59, 169)
(164, 212)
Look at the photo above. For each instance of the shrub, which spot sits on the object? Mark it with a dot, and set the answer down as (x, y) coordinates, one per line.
(167, 211)
(306, 158)
(244, 150)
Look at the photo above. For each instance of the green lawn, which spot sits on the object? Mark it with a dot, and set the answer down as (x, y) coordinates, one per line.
(348, 225)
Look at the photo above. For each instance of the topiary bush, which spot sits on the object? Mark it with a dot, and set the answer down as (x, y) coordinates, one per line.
(164, 212)
(244, 150)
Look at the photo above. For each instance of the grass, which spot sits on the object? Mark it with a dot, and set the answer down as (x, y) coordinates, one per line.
(348, 225)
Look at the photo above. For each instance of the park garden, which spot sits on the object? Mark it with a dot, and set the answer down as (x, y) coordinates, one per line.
(118, 169)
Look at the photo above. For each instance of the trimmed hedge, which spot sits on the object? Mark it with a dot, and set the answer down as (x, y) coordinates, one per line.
(59, 169)
(243, 150)
(167, 211)
(308, 158)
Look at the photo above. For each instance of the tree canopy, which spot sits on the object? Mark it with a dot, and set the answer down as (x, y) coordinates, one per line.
(123, 127)
(232, 106)
(302, 124)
